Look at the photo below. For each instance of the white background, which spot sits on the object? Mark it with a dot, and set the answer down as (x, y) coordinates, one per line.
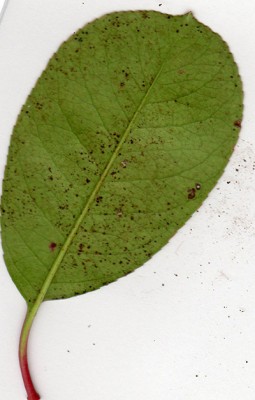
(181, 327)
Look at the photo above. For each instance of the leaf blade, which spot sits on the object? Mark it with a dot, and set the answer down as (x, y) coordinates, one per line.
(82, 256)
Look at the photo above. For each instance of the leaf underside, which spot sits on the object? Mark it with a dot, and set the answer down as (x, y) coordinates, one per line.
(124, 135)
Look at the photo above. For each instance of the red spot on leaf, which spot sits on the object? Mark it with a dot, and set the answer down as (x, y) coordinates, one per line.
(238, 123)
(52, 246)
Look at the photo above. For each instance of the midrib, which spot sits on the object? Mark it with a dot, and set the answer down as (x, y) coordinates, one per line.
(86, 208)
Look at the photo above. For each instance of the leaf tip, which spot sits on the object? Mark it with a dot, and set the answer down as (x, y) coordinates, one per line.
(189, 15)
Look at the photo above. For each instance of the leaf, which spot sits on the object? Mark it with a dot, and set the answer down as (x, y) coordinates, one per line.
(124, 135)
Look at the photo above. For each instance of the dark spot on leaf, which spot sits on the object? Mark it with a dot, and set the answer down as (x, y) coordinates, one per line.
(145, 15)
(80, 250)
(237, 123)
(52, 246)
(191, 193)
(39, 106)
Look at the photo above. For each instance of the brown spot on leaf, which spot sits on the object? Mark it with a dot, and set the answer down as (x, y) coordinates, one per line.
(145, 15)
(191, 193)
(119, 212)
(124, 163)
(237, 123)
(80, 250)
(39, 106)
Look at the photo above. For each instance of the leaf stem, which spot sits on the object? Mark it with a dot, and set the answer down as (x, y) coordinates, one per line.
(31, 392)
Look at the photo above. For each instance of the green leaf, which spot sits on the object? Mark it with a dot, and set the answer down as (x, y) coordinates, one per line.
(124, 135)
(130, 114)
